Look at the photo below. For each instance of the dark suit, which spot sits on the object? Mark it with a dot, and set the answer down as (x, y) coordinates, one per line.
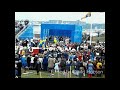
(38, 67)
(19, 65)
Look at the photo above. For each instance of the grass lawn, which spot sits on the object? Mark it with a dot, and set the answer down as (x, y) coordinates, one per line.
(45, 74)
(101, 38)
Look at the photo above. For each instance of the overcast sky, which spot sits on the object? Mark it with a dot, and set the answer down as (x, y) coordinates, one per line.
(96, 17)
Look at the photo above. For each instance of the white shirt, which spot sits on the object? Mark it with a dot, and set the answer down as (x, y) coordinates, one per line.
(50, 48)
(56, 66)
(40, 59)
(69, 48)
(77, 48)
(85, 64)
(97, 53)
(21, 47)
(85, 47)
(95, 58)
(66, 41)
(68, 62)
(32, 59)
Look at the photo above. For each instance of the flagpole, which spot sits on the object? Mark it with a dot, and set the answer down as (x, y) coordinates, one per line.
(88, 15)
(90, 33)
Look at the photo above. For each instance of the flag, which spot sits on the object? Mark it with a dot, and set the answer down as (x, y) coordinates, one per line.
(55, 40)
(41, 41)
(87, 15)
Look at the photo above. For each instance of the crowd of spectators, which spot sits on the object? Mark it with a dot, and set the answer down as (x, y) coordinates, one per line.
(20, 25)
(59, 54)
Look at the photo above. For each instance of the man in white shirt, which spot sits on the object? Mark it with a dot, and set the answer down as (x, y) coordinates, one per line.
(40, 60)
(32, 61)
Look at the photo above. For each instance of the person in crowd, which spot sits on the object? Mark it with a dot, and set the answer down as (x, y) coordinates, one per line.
(64, 53)
(81, 70)
(35, 61)
(71, 57)
(16, 71)
(99, 68)
(45, 63)
(90, 69)
(38, 66)
(23, 60)
(28, 61)
(19, 65)
(30, 50)
(40, 58)
(51, 62)
(84, 68)
(77, 65)
(32, 62)
(80, 56)
(92, 55)
(57, 66)
(63, 65)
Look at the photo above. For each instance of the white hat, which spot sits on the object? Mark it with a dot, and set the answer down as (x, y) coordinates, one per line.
(89, 59)
(50, 55)
(23, 56)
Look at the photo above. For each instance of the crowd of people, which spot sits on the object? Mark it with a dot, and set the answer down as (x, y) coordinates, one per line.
(59, 54)
(19, 25)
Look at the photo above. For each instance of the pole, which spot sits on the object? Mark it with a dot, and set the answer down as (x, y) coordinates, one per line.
(88, 15)
(90, 33)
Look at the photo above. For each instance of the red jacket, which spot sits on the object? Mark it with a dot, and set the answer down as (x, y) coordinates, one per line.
(80, 57)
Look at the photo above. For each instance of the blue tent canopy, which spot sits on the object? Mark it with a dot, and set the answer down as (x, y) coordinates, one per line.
(72, 31)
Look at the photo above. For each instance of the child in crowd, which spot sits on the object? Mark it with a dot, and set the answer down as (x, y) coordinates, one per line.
(57, 66)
